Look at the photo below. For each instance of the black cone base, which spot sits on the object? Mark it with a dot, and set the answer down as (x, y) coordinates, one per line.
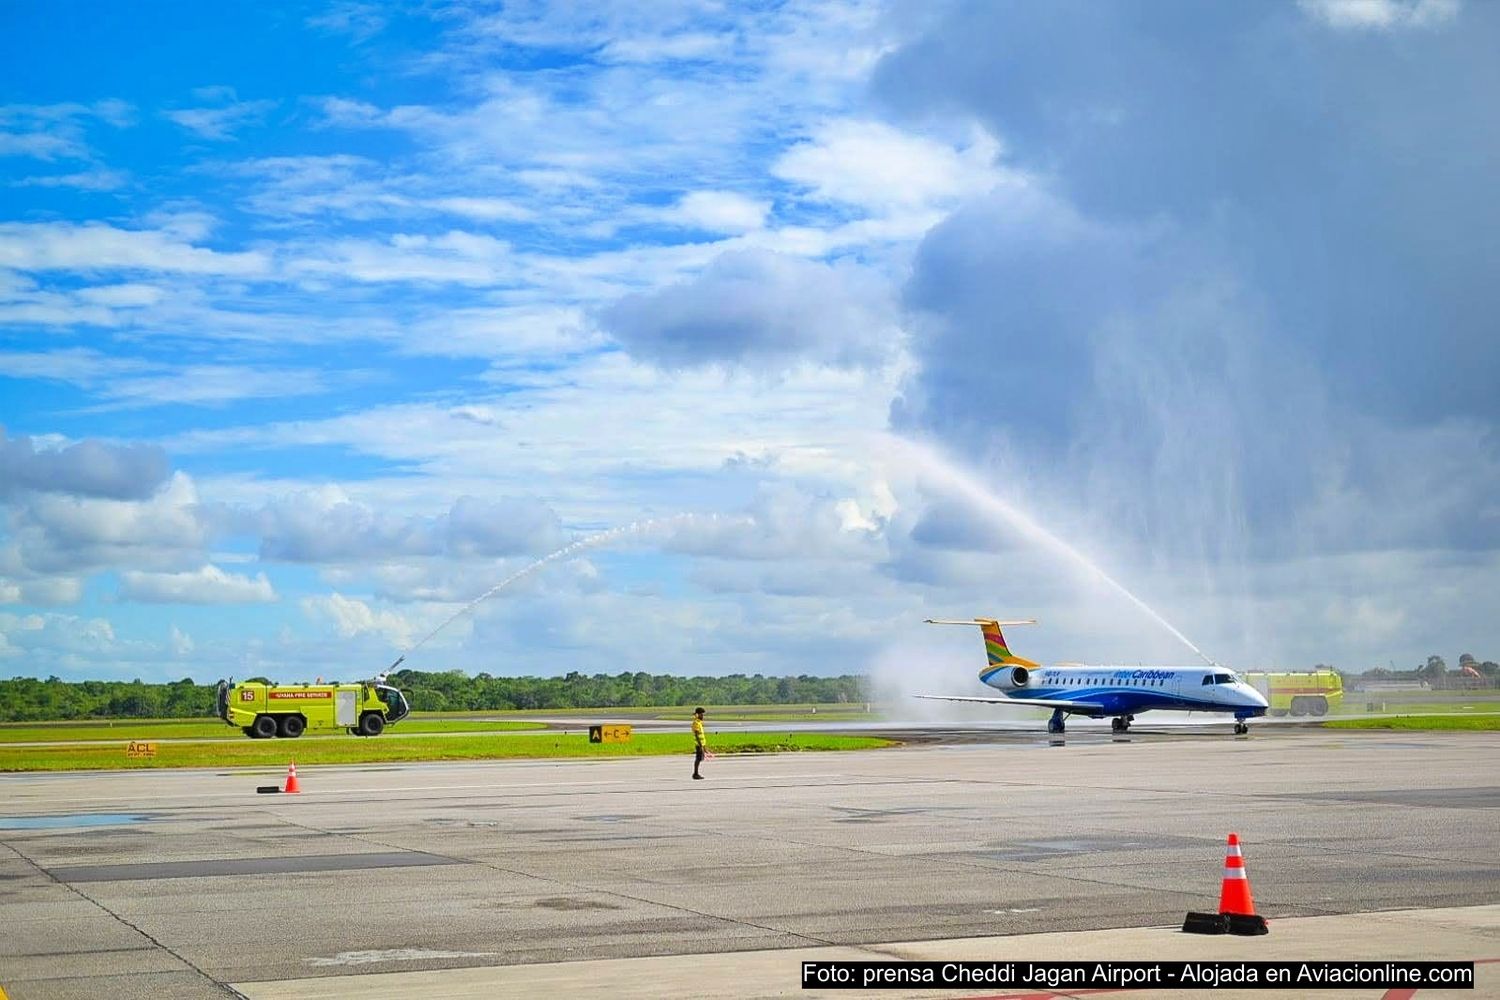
(1206, 923)
(1246, 924)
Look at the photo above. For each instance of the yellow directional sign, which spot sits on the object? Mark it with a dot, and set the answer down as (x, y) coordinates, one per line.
(609, 734)
(136, 751)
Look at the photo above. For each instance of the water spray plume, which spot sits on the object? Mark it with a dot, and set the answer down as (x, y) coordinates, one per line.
(589, 542)
(966, 484)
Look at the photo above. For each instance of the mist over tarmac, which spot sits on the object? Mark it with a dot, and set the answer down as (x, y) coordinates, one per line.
(936, 661)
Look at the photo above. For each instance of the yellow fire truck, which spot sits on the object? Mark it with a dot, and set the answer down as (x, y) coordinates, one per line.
(1311, 692)
(262, 711)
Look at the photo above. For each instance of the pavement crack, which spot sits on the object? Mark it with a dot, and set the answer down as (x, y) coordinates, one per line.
(224, 987)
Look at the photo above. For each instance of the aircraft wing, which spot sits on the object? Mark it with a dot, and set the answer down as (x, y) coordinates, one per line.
(1065, 705)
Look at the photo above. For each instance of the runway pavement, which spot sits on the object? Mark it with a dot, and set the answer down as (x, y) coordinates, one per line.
(188, 884)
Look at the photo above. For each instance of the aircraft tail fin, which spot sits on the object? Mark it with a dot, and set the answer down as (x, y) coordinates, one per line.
(995, 647)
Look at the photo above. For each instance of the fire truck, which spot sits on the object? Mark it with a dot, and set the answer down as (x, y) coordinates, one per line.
(262, 711)
(1310, 692)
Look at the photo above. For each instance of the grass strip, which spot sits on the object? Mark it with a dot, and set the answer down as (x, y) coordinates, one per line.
(145, 730)
(1420, 708)
(355, 750)
(1473, 723)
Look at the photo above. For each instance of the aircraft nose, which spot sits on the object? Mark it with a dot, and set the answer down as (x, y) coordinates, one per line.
(1254, 697)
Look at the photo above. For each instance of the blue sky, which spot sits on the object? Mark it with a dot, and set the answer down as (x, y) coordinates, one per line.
(316, 324)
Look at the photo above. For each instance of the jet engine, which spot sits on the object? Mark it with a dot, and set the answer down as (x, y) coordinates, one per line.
(1009, 678)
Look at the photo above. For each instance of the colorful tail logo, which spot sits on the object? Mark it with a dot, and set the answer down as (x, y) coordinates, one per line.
(995, 648)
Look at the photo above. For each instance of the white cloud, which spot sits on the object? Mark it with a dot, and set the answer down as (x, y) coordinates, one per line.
(719, 211)
(1382, 15)
(359, 21)
(603, 441)
(452, 258)
(133, 383)
(667, 48)
(52, 246)
(353, 617)
(59, 633)
(42, 590)
(221, 123)
(56, 131)
(86, 180)
(122, 296)
(326, 525)
(180, 642)
(206, 585)
(512, 332)
(484, 209)
(881, 168)
(41, 146)
(55, 534)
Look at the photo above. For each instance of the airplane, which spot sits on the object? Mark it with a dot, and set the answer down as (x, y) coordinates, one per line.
(1096, 692)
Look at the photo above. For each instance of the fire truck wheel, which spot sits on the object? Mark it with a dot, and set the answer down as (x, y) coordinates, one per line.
(292, 726)
(371, 724)
(1319, 706)
(264, 727)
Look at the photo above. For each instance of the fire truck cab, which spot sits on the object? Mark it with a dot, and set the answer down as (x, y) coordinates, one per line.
(262, 711)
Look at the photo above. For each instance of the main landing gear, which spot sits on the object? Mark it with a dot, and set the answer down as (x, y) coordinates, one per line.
(1055, 724)
(1121, 724)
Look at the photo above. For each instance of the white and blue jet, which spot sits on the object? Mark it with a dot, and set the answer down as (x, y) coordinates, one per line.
(1097, 692)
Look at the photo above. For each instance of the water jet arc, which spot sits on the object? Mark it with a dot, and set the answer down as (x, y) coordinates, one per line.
(971, 488)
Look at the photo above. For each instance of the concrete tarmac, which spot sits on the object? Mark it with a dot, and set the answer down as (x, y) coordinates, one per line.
(188, 884)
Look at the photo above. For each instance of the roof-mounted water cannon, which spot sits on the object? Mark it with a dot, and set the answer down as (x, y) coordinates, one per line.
(381, 677)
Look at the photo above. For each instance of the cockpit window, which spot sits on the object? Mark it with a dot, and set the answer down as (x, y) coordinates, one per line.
(397, 707)
(1218, 679)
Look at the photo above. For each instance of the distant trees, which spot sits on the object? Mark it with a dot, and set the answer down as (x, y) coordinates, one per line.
(1435, 673)
(453, 691)
(26, 699)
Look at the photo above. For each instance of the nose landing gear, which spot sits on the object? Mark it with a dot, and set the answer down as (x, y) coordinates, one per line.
(1241, 727)
(1121, 724)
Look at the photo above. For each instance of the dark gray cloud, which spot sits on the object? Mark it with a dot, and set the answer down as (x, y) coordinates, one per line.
(1249, 300)
(89, 468)
(759, 309)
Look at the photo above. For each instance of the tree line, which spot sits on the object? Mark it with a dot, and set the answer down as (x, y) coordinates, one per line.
(1437, 673)
(26, 699)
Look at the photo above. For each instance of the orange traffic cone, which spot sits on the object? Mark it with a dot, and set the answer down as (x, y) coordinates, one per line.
(1236, 909)
(291, 779)
(1234, 897)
